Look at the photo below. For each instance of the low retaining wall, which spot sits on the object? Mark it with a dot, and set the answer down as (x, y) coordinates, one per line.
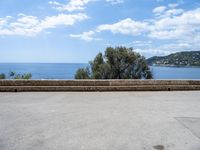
(98, 85)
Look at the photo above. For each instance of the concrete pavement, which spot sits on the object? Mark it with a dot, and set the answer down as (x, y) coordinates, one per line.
(100, 121)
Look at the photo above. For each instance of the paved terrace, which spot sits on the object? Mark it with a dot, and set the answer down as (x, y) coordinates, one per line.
(100, 120)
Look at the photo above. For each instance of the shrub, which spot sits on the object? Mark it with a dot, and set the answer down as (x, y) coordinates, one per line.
(2, 76)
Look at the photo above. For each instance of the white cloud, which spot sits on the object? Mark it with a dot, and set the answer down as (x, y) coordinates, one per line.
(86, 36)
(5, 32)
(62, 19)
(155, 51)
(126, 26)
(2, 22)
(78, 5)
(173, 5)
(73, 5)
(141, 43)
(159, 10)
(114, 2)
(181, 30)
(177, 26)
(25, 22)
(148, 49)
(31, 25)
(164, 49)
(172, 13)
(171, 10)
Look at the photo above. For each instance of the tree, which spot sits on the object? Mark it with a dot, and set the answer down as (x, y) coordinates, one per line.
(2, 76)
(13, 75)
(116, 63)
(82, 73)
(26, 76)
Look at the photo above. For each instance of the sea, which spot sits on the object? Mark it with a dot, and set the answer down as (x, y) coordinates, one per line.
(68, 70)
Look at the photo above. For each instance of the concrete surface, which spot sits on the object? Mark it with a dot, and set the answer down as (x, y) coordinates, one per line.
(100, 121)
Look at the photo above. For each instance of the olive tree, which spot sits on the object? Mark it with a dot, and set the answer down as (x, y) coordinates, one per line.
(116, 63)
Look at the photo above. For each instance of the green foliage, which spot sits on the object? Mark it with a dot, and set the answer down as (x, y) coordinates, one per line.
(117, 63)
(13, 75)
(82, 73)
(27, 76)
(2, 76)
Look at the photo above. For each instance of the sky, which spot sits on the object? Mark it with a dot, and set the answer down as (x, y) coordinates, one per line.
(74, 31)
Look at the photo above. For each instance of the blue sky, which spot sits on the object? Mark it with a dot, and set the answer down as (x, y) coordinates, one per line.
(76, 30)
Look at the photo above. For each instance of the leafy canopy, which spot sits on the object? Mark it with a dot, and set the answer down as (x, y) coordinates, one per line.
(14, 75)
(2, 76)
(116, 63)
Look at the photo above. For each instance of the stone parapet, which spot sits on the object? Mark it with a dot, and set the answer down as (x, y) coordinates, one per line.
(98, 85)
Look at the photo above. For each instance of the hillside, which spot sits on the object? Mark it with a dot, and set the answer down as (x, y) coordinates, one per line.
(190, 58)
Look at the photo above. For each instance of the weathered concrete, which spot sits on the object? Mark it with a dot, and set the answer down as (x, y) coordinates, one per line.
(98, 85)
(100, 121)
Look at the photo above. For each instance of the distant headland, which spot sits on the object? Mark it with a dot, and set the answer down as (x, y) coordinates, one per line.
(182, 59)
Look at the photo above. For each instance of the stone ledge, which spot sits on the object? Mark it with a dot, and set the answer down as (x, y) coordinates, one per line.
(98, 85)
(96, 82)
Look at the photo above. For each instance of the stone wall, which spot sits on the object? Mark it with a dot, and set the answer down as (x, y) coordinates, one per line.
(97, 85)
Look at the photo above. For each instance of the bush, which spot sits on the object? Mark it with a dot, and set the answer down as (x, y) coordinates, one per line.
(2, 76)
(27, 76)
(13, 75)
(82, 73)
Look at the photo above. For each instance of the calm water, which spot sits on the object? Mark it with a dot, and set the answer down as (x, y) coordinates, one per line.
(67, 71)
(43, 70)
(176, 72)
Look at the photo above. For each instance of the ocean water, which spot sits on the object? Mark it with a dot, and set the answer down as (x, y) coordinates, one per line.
(67, 70)
(176, 72)
(43, 70)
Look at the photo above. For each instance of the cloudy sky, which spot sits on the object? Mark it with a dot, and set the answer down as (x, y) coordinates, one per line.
(76, 30)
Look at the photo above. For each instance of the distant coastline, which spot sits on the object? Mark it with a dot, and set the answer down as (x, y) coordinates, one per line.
(174, 66)
(180, 59)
